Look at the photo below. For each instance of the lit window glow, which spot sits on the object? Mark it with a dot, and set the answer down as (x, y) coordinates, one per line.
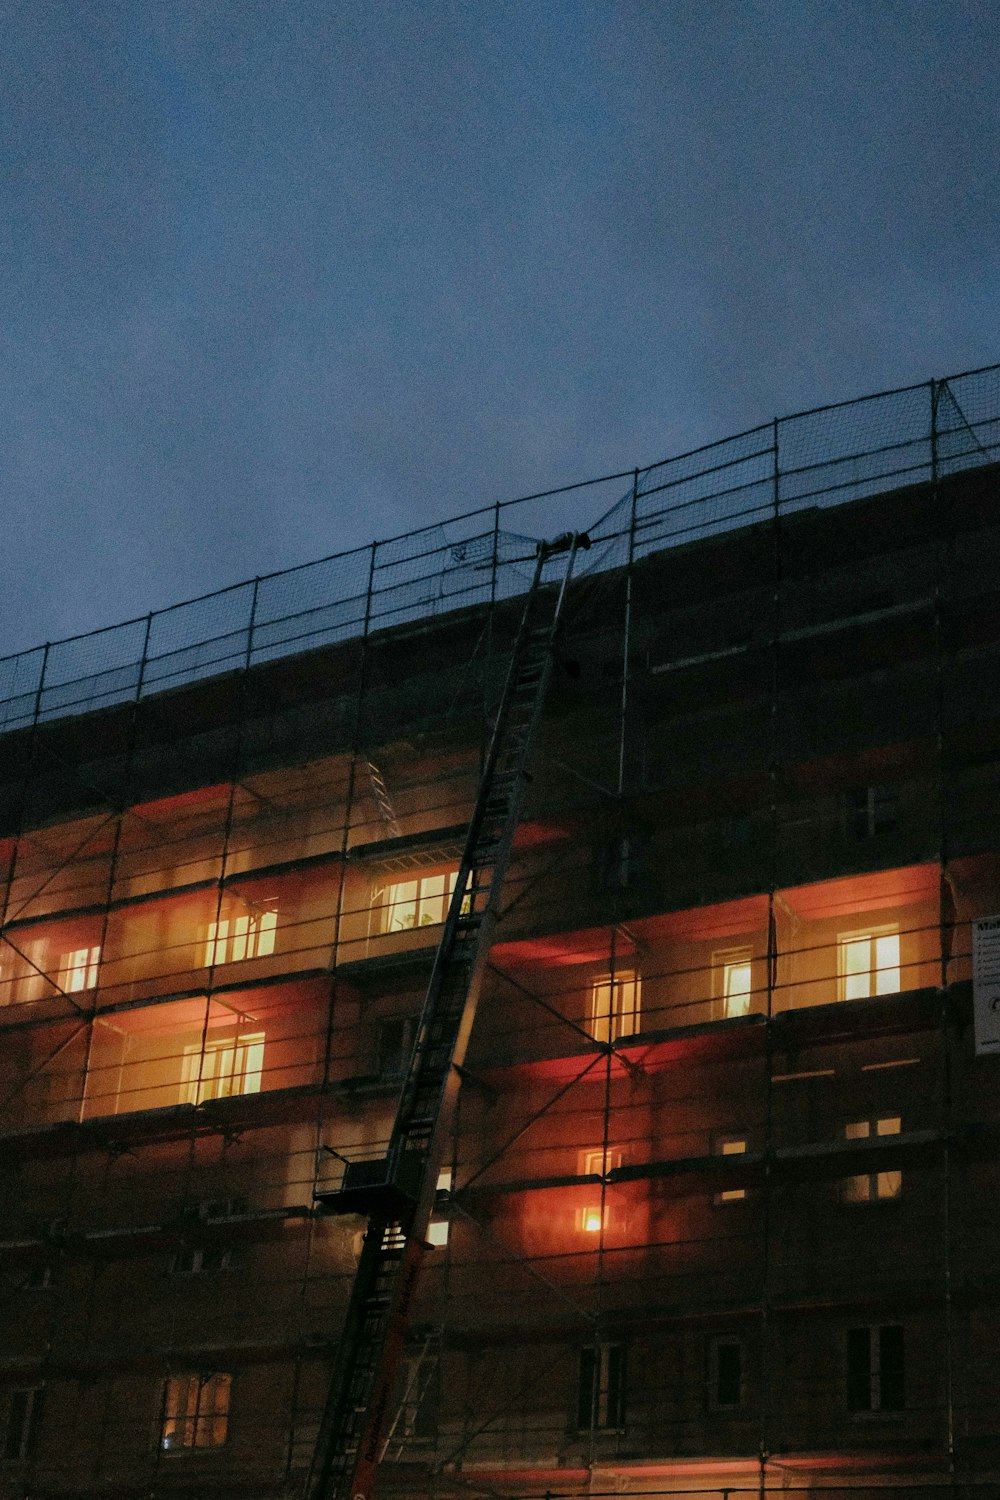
(872, 1187)
(614, 1006)
(868, 963)
(596, 1163)
(731, 1146)
(422, 902)
(195, 1412)
(230, 1066)
(437, 1229)
(78, 970)
(233, 938)
(733, 968)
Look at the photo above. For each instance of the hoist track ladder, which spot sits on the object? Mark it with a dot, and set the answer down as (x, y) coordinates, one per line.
(397, 1191)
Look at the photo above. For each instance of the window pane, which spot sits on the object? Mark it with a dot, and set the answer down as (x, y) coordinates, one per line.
(432, 900)
(615, 1407)
(887, 964)
(729, 1374)
(267, 923)
(891, 1362)
(585, 1390)
(859, 1370)
(856, 966)
(737, 988)
(238, 947)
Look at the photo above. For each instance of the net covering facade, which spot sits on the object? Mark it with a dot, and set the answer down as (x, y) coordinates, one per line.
(719, 1215)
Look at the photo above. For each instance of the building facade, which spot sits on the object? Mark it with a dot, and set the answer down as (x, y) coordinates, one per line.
(720, 1212)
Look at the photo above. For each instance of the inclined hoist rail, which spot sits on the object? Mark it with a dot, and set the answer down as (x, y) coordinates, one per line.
(397, 1191)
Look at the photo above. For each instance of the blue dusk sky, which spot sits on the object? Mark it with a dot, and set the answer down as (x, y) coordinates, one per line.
(281, 276)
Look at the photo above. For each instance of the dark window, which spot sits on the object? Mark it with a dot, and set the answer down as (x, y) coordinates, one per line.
(39, 1277)
(396, 1036)
(23, 1421)
(208, 1254)
(875, 1369)
(601, 1392)
(725, 1374)
(872, 810)
(192, 1260)
(622, 862)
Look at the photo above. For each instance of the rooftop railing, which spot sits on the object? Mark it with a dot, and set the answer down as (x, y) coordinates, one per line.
(825, 457)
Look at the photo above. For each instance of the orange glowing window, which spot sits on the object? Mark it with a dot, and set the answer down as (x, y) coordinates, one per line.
(422, 902)
(868, 963)
(593, 1219)
(195, 1412)
(731, 1146)
(78, 969)
(614, 1006)
(233, 938)
(872, 1187)
(596, 1215)
(733, 970)
(229, 1066)
(439, 1226)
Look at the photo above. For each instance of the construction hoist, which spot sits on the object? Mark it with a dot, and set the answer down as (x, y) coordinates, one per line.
(397, 1191)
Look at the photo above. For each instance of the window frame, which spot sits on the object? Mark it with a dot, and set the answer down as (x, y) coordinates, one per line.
(872, 935)
(724, 962)
(600, 1387)
(872, 1373)
(730, 1145)
(849, 1186)
(428, 910)
(621, 1019)
(28, 1423)
(252, 932)
(191, 1420)
(75, 978)
(715, 1345)
(197, 1086)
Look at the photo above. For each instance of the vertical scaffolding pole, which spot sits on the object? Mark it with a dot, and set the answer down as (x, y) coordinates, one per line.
(941, 563)
(627, 642)
(127, 791)
(763, 1451)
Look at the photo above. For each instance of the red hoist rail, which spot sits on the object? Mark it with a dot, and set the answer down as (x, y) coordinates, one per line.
(397, 1191)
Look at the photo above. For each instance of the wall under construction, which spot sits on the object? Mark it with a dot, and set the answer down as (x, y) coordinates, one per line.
(721, 1209)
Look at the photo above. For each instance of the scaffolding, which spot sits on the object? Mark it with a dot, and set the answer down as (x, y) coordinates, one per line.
(719, 1131)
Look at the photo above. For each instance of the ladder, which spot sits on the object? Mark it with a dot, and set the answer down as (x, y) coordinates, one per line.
(396, 1192)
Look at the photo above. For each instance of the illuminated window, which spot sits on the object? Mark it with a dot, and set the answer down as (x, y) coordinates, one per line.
(24, 1418)
(868, 963)
(229, 1066)
(875, 1369)
(614, 1006)
(248, 936)
(600, 1399)
(730, 1146)
(872, 1187)
(733, 968)
(422, 902)
(437, 1229)
(78, 969)
(725, 1374)
(594, 1217)
(195, 1412)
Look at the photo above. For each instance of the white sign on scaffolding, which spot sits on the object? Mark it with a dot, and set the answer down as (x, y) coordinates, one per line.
(986, 984)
